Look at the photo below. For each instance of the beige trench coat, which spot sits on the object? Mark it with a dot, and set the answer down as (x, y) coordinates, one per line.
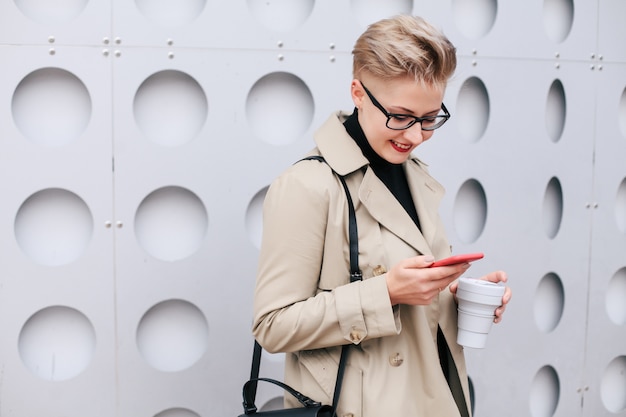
(305, 306)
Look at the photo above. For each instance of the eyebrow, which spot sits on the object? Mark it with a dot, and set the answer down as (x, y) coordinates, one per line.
(411, 113)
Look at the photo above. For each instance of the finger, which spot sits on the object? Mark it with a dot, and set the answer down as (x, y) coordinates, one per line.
(449, 281)
(450, 274)
(498, 314)
(507, 296)
(500, 311)
(437, 291)
(496, 276)
(422, 261)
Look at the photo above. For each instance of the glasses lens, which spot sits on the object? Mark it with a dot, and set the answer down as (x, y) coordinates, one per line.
(433, 123)
(399, 122)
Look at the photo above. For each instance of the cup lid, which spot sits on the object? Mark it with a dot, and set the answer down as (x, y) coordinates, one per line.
(480, 286)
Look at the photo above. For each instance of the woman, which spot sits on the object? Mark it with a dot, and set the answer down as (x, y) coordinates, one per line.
(401, 318)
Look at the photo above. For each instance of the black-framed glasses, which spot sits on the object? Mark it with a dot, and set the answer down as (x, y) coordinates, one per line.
(404, 121)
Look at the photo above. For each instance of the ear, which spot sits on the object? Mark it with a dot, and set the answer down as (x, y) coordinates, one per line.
(357, 93)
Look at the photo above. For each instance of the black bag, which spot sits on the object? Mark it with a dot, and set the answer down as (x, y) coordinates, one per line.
(311, 408)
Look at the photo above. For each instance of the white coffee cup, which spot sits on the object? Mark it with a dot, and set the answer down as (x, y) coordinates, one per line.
(477, 302)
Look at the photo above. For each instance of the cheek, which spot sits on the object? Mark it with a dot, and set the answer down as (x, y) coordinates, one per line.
(368, 123)
(379, 141)
(375, 132)
(373, 124)
(427, 134)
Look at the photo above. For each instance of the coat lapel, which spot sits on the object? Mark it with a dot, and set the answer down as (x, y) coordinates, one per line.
(344, 156)
(427, 194)
(384, 207)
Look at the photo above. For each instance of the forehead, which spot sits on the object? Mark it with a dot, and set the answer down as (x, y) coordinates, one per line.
(406, 94)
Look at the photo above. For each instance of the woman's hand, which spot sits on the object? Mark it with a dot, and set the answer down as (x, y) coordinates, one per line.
(497, 276)
(412, 282)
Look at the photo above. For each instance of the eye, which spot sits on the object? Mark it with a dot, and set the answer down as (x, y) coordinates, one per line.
(401, 117)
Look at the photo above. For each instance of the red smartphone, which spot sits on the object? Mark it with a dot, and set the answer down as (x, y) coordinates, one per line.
(458, 259)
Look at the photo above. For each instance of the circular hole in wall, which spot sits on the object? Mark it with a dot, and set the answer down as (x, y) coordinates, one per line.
(470, 211)
(51, 107)
(51, 12)
(281, 15)
(171, 223)
(53, 227)
(556, 110)
(558, 17)
(474, 18)
(613, 385)
(616, 298)
(276, 403)
(622, 113)
(170, 13)
(548, 302)
(544, 392)
(369, 11)
(177, 412)
(254, 218)
(172, 335)
(620, 207)
(552, 208)
(472, 109)
(279, 108)
(57, 343)
(170, 108)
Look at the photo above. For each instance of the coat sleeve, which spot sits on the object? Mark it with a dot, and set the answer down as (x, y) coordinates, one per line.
(291, 313)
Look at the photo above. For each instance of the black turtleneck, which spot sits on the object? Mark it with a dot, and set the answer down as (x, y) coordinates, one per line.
(392, 175)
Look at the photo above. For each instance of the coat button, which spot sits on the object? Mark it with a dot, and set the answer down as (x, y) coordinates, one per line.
(379, 270)
(355, 336)
(396, 359)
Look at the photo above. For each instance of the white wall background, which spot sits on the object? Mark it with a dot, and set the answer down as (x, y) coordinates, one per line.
(137, 140)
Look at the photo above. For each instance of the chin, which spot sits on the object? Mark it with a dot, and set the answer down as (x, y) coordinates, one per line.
(397, 158)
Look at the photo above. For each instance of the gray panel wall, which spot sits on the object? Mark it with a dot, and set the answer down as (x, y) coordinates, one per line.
(137, 140)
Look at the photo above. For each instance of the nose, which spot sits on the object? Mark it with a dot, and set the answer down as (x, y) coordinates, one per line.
(415, 134)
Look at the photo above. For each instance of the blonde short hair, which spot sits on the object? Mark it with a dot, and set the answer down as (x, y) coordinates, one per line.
(405, 46)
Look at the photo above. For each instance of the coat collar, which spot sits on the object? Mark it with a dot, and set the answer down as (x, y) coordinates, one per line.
(343, 154)
(337, 146)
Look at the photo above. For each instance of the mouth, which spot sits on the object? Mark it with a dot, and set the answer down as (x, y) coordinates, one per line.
(400, 147)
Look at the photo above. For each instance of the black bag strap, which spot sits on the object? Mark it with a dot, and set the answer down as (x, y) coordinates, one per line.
(355, 272)
(250, 387)
(249, 394)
